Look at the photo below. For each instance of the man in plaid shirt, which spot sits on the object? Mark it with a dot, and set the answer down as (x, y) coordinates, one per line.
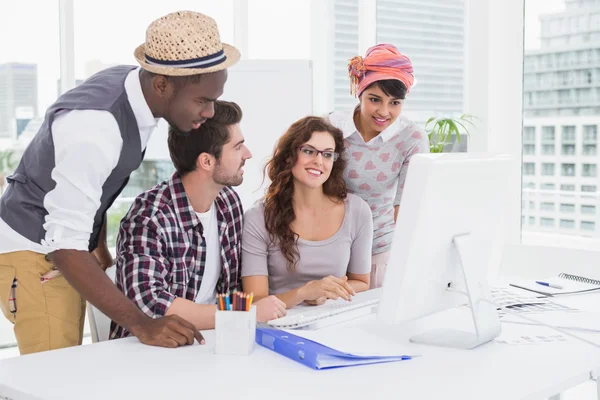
(180, 242)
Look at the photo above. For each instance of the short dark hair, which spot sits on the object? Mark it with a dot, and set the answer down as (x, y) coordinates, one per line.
(391, 87)
(178, 81)
(210, 138)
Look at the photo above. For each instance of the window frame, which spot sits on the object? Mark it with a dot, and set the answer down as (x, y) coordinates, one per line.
(494, 51)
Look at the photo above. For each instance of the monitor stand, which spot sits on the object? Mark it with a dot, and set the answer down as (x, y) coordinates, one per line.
(485, 317)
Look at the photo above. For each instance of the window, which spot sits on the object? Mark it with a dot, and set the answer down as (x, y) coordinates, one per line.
(418, 30)
(547, 186)
(529, 134)
(568, 134)
(567, 208)
(548, 149)
(588, 170)
(590, 210)
(589, 133)
(547, 222)
(548, 134)
(568, 149)
(588, 225)
(567, 224)
(532, 205)
(561, 52)
(528, 168)
(588, 188)
(589, 150)
(567, 170)
(546, 206)
(529, 149)
(548, 169)
(529, 185)
(28, 81)
(531, 220)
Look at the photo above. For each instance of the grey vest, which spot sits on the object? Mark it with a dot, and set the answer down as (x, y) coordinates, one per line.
(22, 205)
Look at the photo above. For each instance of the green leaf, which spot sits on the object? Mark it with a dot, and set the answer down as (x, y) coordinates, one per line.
(444, 128)
(428, 121)
(454, 128)
(464, 127)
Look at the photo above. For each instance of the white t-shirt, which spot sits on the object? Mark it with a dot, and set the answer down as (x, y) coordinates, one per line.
(212, 266)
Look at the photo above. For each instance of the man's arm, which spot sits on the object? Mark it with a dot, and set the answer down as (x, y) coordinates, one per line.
(102, 253)
(83, 162)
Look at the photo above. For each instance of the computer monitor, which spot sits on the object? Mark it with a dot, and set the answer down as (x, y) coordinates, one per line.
(448, 232)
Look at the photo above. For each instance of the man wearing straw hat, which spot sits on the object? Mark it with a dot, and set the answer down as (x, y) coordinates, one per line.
(53, 216)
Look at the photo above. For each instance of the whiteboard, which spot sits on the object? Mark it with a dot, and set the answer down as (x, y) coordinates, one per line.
(272, 94)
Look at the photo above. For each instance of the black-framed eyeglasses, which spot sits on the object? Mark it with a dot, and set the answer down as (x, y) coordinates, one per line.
(310, 151)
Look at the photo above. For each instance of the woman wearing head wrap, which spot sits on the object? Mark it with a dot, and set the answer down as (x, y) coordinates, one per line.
(379, 141)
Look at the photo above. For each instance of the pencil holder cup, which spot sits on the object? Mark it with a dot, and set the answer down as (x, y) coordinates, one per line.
(235, 332)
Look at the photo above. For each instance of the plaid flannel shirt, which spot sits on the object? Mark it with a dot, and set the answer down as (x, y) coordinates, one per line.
(161, 249)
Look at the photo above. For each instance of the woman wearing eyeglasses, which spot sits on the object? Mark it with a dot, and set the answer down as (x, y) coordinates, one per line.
(307, 240)
(379, 141)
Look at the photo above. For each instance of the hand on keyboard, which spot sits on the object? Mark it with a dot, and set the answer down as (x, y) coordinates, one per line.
(269, 308)
(331, 312)
(316, 302)
(329, 287)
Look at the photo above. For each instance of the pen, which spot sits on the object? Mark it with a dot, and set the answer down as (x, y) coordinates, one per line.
(552, 285)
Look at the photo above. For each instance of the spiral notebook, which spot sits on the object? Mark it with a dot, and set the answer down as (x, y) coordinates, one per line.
(569, 284)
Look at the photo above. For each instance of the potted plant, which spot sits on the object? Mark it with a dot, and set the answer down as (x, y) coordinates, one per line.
(441, 131)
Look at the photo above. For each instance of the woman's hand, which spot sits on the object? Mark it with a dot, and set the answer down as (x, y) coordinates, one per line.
(329, 287)
(269, 308)
(316, 302)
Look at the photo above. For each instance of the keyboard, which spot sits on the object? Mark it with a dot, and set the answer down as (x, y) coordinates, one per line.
(330, 313)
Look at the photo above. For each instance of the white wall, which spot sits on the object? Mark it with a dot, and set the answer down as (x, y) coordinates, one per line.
(273, 94)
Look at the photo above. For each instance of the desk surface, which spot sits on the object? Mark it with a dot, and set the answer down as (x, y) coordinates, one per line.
(126, 369)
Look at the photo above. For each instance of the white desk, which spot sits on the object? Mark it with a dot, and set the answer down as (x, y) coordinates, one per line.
(126, 369)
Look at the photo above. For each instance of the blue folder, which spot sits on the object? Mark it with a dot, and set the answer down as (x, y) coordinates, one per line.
(313, 354)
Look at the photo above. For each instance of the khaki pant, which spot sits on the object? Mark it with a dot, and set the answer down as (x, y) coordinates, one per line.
(48, 315)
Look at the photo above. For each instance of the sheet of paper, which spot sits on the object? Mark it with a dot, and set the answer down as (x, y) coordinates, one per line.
(506, 296)
(356, 340)
(531, 340)
(547, 307)
(583, 321)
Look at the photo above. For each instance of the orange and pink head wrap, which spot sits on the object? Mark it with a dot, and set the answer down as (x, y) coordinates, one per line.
(381, 62)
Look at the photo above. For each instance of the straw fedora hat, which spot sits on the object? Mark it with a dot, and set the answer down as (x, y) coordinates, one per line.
(185, 43)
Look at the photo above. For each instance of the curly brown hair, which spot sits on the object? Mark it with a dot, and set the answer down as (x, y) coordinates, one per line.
(278, 200)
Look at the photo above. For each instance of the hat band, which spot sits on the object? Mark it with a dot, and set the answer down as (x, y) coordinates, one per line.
(202, 62)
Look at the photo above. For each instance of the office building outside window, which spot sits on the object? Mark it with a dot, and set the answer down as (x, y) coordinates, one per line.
(561, 112)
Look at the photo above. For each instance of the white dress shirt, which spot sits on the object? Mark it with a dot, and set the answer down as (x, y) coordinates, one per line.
(87, 146)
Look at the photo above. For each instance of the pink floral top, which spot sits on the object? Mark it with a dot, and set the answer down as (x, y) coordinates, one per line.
(377, 169)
